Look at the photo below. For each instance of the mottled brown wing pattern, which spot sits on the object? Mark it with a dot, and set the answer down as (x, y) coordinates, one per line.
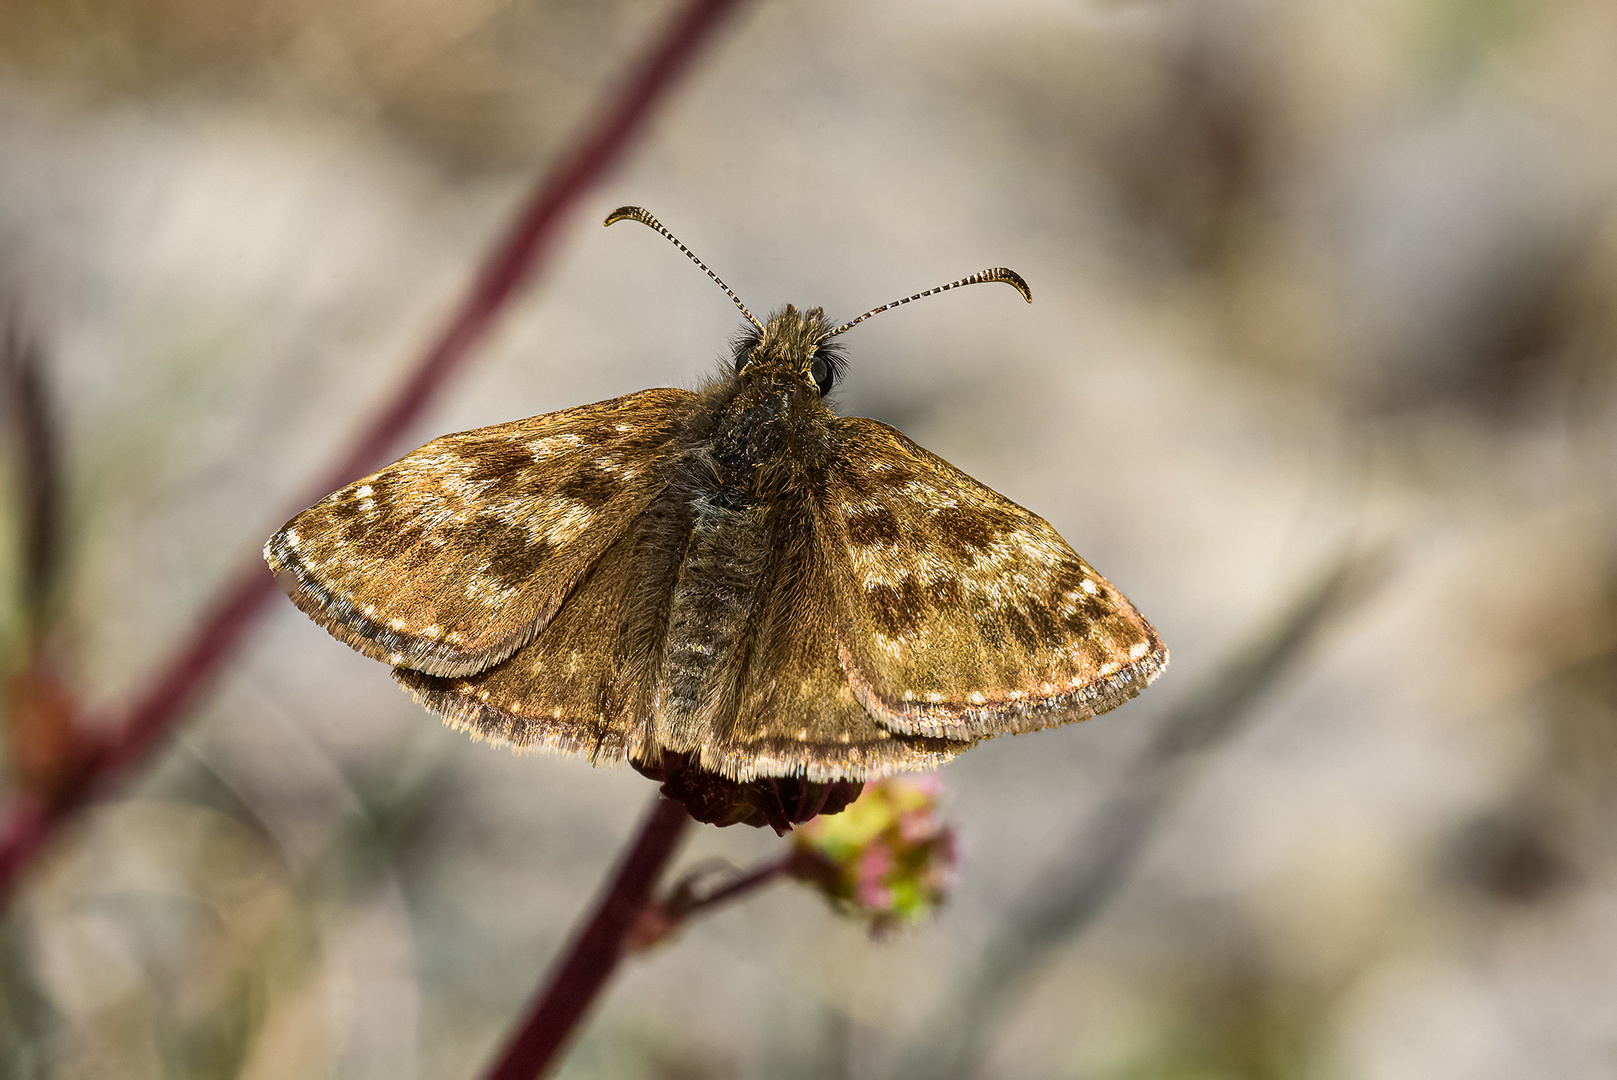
(796, 714)
(454, 556)
(965, 615)
(597, 680)
(570, 689)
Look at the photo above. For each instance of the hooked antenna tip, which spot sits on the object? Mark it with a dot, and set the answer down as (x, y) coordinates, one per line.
(1011, 278)
(623, 213)
(998, 273)
(642, 215)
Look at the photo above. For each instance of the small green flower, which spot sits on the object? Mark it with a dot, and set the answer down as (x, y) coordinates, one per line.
(886, 858)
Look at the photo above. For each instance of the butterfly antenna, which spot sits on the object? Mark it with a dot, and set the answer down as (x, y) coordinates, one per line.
(640, 214)
(998, 273)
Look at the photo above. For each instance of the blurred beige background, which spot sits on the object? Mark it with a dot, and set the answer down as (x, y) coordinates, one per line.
(1307, 276)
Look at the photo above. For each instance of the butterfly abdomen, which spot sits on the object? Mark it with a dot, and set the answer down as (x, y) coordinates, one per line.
(719, 583)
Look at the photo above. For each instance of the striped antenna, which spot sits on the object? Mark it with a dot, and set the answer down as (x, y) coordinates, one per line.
(998, 273)
(640, 214)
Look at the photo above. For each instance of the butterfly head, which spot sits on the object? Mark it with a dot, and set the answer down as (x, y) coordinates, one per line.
(791, 350)
(790, 356)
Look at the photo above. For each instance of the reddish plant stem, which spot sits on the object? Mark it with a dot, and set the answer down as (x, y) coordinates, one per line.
(515, 260)
(575, 982)
(793, 864)
(525, 244)
(663, 918)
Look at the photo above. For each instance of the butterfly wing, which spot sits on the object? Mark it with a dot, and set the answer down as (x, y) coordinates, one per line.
(570, 689)
(962, 614)
(795, 713)
(451, 558)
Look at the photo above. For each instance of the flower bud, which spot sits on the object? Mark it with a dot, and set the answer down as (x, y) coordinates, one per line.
(887, 859)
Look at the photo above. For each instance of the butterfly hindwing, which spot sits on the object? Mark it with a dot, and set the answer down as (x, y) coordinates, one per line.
(963, 614)
(454, 556)
(795, 712)
(571, 688)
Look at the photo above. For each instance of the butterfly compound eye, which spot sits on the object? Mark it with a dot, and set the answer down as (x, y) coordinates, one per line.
(823, 375)
(744, 346)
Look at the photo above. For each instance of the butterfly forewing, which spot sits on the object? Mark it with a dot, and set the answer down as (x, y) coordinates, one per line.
(453, 557)
(964, 615)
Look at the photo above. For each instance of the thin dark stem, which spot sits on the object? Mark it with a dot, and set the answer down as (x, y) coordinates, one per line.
(523, 247)
(754, 879)
(575, 982)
